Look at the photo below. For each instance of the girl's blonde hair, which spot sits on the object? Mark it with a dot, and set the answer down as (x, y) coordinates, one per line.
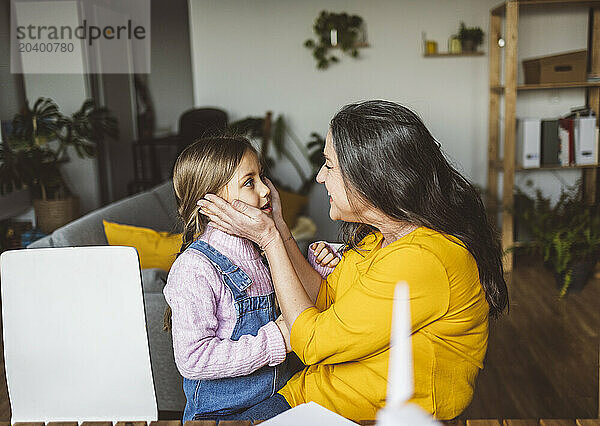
(203, 167)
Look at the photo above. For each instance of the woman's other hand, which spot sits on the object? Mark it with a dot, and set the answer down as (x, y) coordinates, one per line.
(324, 255)
(239, 218)
(285, 332)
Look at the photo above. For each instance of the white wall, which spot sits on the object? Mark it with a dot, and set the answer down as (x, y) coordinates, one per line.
(248, 57)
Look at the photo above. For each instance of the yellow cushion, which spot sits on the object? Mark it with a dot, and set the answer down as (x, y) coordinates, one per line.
(156, 249)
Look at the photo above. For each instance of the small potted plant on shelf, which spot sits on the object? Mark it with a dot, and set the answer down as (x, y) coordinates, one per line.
(470, 38)
(566, 234)
(32, 154)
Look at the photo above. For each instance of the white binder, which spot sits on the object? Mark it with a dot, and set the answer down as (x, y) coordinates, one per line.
(529, 134)
(586, 141)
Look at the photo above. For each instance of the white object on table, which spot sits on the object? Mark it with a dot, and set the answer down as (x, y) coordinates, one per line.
(75, 340)
(310, 413)
(398, 412)
(400, 376)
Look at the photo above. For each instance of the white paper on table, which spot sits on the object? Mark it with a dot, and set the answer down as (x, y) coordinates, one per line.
(311, 414)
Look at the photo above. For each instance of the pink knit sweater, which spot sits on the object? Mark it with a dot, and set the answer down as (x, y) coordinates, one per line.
(204, 314)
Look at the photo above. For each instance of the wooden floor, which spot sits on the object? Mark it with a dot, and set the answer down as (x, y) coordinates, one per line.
(542, 358)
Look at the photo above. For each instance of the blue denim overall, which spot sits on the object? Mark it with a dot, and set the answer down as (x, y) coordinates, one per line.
(208, 399)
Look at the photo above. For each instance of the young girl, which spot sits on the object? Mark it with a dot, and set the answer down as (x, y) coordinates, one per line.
(228, 343)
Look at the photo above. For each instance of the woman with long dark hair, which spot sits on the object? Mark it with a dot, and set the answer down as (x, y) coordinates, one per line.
(407, 215)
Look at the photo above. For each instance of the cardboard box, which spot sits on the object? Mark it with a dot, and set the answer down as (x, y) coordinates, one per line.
(562, 68)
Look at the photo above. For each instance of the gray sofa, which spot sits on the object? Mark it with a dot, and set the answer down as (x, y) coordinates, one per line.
(156, 209)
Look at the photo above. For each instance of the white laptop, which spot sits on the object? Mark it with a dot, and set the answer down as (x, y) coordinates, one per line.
(75, 341)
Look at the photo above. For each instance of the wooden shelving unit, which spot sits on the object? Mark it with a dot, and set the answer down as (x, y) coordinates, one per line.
(509, 11)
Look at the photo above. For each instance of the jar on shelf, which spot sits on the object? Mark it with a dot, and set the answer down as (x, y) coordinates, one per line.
(454, 45)
(431, 47)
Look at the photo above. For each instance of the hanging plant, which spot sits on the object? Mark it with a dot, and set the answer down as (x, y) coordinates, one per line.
(333, 30)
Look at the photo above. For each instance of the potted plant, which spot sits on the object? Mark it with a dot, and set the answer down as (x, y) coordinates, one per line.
(566, 234)
(274, 134)
(335, 30)
(470, 38)
(32, 154)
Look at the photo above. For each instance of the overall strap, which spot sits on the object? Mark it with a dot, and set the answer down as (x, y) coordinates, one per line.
(233, 277)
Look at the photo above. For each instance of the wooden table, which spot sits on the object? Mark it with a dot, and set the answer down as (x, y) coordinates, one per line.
(490, 422)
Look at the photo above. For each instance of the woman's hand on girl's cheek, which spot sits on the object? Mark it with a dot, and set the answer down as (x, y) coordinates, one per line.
(239, 219)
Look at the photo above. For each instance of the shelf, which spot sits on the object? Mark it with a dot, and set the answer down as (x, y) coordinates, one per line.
(501, 8)
(586, 166)
(356, 46)
(435, 55)
(546, 86)
(499, 166)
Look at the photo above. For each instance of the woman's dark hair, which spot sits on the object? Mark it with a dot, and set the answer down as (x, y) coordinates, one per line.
(392, 161)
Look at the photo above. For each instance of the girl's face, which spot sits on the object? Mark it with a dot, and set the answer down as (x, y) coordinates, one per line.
(330, 175)
(247, 185)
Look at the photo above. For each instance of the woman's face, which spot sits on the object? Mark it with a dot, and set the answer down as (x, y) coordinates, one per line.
(330, 175)
(247, 185)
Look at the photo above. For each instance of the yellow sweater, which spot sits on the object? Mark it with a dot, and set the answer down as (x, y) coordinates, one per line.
(344, 340)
